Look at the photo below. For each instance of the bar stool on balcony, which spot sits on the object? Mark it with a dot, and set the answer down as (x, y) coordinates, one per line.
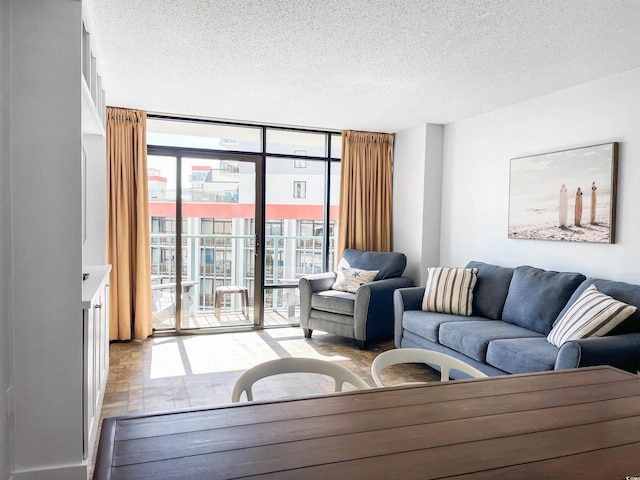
(228, 290)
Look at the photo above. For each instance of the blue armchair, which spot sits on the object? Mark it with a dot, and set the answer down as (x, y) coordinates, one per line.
(362, 315)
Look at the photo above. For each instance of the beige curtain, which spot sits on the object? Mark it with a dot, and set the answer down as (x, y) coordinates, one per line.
(128, 225)
(365, 192)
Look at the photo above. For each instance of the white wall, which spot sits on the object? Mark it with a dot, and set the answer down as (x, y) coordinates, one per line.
(417, 181)
(475, 198)
(5, 244)
(46, 238)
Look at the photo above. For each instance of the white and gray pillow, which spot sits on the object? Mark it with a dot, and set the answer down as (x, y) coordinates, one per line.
(351, 279)
(593, 314)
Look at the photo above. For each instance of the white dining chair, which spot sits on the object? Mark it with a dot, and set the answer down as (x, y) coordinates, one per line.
(294, 365)
(420, 355)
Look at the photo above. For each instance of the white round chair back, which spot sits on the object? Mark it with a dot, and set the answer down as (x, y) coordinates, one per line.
(294, 365)
(419, 355)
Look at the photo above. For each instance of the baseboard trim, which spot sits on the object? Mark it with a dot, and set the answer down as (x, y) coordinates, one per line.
(68, 472)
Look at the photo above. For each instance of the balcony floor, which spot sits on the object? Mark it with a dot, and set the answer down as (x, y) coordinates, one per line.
(229, 318)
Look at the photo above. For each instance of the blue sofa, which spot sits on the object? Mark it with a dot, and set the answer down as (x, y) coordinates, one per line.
(513, 311)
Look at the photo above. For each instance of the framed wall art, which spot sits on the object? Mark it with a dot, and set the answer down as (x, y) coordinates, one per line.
(568, 195)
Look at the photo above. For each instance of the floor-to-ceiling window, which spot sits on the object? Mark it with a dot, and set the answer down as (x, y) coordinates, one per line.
(253, 208)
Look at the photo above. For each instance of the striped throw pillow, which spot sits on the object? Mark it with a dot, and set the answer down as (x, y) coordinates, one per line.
(593, 314)
(450, 290)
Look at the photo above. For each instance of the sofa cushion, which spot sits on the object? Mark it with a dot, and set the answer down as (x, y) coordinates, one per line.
(593, 314)
(334, 301)
(491, 289)
(536, 297)
(388, 264)
(427, 324)
(472, 337)
(625, 292)
(522, 355)
(449, 290)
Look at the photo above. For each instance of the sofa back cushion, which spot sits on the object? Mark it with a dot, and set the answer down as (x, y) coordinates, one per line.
(388, 264)
(491, 289)
(624, 292)
(537, 296)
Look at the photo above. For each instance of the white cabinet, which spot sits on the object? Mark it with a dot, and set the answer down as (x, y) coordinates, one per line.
(95, 288)
(93, 95)
(95, 335)
(94, 148)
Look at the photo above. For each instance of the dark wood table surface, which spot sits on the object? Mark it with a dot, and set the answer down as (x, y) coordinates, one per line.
(582, 423)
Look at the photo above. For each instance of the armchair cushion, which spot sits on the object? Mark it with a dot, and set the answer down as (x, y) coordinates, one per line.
(333, 301)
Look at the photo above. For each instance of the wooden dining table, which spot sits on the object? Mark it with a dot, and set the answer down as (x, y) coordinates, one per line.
(581, 423)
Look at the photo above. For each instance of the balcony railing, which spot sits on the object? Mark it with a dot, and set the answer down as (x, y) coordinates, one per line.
(195, 195)
(211, 260)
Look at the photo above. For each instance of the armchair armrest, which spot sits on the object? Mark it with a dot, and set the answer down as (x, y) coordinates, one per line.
(308, 285)
(405, 299)
(318, 282)
(373, 309)
(621, 351)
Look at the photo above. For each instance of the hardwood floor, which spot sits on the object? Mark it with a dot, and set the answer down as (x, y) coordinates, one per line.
(166, 373)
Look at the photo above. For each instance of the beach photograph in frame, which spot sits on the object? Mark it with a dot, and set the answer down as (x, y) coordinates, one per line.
(566, 196)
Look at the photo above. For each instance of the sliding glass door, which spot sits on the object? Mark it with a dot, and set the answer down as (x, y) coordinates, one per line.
(205, 203)
(238, 214)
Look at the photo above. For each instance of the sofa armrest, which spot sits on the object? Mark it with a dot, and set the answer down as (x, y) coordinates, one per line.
(621, 351)
(405, 299)
(409, 298)
(373, 309)
(308, 285)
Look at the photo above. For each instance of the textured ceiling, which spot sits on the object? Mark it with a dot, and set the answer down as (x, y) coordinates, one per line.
(378, 65)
